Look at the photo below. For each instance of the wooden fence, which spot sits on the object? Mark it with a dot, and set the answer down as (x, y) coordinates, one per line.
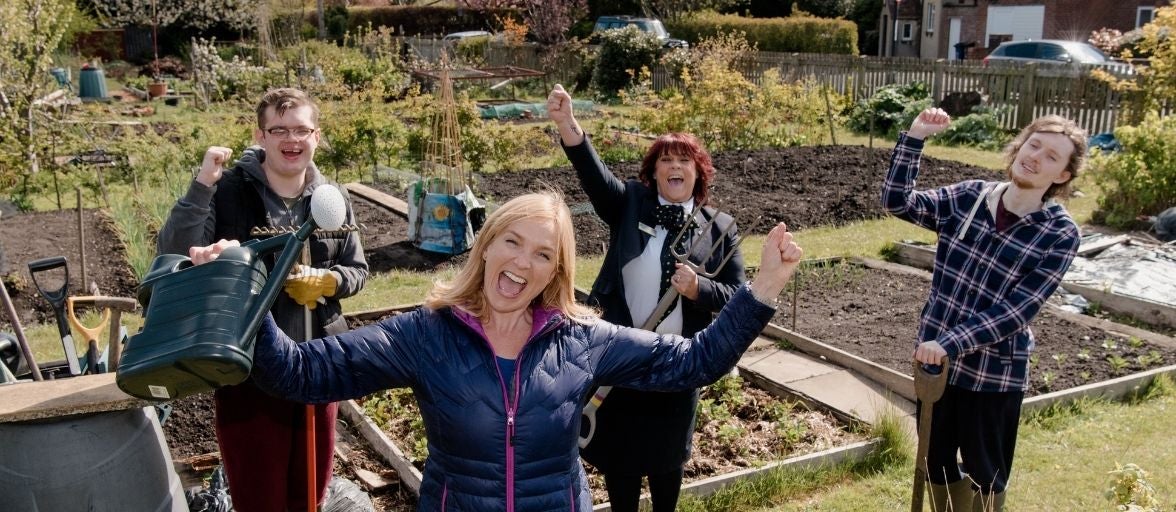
(1019, 92)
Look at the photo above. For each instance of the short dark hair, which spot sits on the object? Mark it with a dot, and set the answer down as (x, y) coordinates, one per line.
(680, 144)
(283, 99)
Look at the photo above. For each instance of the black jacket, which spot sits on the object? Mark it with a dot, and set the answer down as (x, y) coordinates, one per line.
(638, 431)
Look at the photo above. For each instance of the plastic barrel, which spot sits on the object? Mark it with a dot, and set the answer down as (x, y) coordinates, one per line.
(61, 75)
(92, 83)
(103, 462)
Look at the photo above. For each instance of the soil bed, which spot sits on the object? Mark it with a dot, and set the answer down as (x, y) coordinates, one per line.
(802, 186)
(749, 438)
(874, 314)
(26, 237)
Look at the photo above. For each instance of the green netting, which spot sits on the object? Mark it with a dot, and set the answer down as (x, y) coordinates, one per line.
(520, 110)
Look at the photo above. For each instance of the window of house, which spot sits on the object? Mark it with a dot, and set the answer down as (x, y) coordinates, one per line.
(908, 31)
(1144, 15)
(930, 22)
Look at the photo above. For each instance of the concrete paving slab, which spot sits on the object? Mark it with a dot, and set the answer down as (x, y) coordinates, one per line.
(856, 395)
(845, 393)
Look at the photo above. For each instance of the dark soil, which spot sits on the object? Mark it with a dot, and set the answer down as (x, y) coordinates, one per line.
(27, 237)
(875, 314)
(802, 186)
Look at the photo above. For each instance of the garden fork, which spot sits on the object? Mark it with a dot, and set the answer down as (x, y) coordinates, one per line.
(667, 300)
(930, 381)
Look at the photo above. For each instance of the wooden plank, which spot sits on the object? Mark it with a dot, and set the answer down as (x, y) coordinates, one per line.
(918, 256)
(382, 445)
(1143, 310)
(1100, 244)
(395, 204)
(85, 394)
(1114, 389)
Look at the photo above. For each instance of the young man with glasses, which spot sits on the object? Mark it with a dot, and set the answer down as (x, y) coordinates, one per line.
(262, 439)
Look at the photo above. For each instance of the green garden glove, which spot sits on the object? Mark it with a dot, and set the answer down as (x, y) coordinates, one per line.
(306, 285)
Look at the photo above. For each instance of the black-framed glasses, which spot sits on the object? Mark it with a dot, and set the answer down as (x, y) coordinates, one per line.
(299, 133)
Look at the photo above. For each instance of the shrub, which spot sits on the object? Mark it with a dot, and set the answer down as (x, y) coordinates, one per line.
(725, 109)
(623, 53)
(1140, 179)
(891, 109)
(793, 34)
(981, 128)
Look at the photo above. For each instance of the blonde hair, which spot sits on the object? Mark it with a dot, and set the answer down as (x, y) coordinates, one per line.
(1052, 124)
(465, 289)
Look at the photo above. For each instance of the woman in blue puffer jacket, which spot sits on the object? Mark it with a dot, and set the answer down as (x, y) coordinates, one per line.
(500, 359)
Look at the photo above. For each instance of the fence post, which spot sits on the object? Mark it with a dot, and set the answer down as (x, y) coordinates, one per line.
(937, 81)
(1028, 99)
(860, 88)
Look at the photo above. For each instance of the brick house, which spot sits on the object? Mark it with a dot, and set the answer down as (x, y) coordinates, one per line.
(931, 29)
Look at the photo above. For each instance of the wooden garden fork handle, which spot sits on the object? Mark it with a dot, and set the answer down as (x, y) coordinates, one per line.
(929, 387)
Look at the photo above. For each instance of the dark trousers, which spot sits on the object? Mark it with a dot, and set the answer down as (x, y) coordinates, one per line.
(262, 442)
(982, 427)
(624, 491)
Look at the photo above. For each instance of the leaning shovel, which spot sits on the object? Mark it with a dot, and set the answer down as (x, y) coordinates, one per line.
(930, 381)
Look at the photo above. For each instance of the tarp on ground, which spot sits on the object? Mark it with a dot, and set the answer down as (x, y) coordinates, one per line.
(1141, 270)
(521, 110)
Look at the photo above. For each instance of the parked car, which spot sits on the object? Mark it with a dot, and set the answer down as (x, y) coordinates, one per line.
(1054, 51)
(457, 37)
(648, 25)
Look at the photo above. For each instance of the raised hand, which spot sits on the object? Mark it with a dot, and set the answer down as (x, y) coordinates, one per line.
(559, 105)
(213, 166)
(778, 262)
(928, 123)
(559, 109)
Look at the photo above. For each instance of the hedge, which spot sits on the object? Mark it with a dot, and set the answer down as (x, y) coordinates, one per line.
(793, 34)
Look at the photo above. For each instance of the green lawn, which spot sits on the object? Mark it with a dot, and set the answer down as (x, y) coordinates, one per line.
(1062, 462)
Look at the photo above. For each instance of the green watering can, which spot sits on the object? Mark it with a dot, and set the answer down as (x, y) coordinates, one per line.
(201, 320)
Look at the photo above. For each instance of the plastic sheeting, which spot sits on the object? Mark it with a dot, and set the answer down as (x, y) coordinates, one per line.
(528, 110)
(1140, 270)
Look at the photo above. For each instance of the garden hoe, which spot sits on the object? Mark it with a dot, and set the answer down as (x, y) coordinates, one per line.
(670, 296)
(56, 299)
(930, 381)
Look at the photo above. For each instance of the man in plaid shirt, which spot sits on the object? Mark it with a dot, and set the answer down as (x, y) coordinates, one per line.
(1003, 248)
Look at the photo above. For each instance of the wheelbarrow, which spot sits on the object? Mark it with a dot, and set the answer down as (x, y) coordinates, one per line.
(201, 320)
(671, 295)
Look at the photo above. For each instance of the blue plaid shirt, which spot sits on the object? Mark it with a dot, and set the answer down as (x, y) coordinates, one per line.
(987, 284)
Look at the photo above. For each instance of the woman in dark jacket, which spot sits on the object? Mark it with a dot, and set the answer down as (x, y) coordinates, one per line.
(500, 358)
(647, 433)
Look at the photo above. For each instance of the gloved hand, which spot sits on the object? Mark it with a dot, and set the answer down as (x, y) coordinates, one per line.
(307, 284)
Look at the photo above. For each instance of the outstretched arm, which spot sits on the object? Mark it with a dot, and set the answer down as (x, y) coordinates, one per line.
(644, 360)
(604, 190)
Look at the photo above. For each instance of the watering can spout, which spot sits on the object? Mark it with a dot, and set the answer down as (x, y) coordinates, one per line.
(201, 321)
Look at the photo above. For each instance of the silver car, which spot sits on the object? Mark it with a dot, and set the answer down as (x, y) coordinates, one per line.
(1054, 51)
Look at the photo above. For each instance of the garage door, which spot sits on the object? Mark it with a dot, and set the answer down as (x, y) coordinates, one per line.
(1019, 21)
